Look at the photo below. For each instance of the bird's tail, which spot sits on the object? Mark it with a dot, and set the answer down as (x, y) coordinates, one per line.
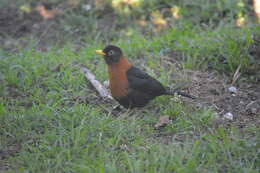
(171, 91)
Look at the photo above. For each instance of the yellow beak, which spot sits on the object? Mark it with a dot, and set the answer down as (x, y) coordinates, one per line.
(100, 52)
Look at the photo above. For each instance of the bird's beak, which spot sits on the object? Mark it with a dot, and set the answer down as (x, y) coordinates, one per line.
(100, 52)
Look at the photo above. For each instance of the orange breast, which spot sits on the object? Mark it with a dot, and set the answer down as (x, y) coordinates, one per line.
(118, 82)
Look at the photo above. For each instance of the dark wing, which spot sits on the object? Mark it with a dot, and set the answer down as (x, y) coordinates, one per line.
(142, 82)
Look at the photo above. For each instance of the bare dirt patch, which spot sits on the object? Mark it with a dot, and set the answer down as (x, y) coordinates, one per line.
(212, 90)
(15, 23)
(17, 28)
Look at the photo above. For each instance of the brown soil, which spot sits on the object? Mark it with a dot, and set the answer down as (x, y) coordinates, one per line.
(16, 25)
(212, 90)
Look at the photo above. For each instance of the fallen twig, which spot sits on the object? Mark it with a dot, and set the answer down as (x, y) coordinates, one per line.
(103, 92)
(236, 75)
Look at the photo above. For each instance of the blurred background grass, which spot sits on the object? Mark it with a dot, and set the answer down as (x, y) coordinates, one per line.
(197, 28)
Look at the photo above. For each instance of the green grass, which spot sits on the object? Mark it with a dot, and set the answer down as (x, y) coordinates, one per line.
(55, 120)
(57, 133)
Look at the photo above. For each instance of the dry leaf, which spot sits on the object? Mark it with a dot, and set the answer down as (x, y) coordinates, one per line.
(158, 19)
(175, 12)
(142, 23)
(163, 120)
(257, 9)
(47, 14)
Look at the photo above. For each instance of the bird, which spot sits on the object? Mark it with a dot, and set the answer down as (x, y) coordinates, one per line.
(129, 85)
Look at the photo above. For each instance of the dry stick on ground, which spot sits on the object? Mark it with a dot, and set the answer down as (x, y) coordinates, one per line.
(236, 75)
(103, 92)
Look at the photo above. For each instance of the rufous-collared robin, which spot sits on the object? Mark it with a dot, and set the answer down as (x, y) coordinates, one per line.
(130, 86)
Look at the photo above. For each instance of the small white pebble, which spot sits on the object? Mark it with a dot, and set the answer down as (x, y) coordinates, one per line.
(199, 105)
(229, 116)
(86, 7)
(232, 89)
(254, 110)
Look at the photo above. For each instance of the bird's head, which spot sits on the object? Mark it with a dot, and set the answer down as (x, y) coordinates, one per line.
(112, 54)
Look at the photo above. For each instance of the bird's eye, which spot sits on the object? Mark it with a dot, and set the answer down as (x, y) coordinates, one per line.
(111, 52)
